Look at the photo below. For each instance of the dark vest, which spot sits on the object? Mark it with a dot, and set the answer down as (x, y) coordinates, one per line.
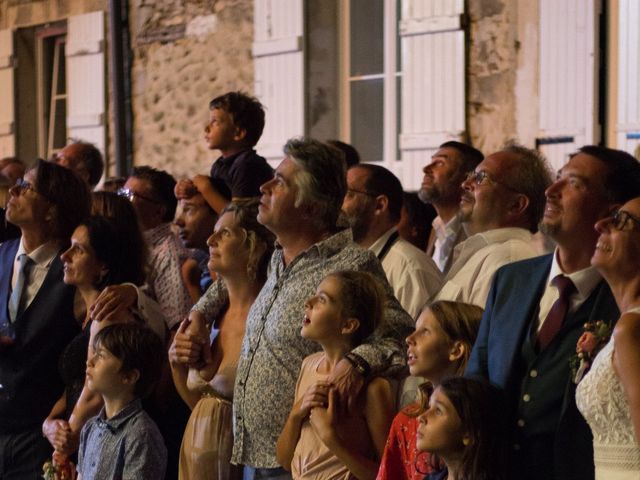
(542, 405)
(29, 375)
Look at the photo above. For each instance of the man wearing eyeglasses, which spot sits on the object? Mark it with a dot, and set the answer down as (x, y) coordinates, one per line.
(501, 205)
(372, 207)
(37, 317)
(535, 314)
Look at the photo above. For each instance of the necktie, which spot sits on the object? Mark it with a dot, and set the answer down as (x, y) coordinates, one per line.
(16, 295)
(558, 312)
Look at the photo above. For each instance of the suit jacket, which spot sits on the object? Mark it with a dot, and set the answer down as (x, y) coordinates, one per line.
(496, 356)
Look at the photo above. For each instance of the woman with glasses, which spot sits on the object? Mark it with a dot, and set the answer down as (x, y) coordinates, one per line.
(609, 395)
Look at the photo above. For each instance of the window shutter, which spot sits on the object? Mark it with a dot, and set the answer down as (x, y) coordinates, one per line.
(278, 53)
(628, 122)
(433, 82)
(568, 78)
(7, 111)
(85, 57)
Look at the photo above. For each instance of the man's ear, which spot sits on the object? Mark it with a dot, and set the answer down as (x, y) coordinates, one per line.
(382, 204)
(350, 326)
(457, 351)
(519, 204)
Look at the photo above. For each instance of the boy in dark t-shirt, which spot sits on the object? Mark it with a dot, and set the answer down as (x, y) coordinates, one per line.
(235, 125)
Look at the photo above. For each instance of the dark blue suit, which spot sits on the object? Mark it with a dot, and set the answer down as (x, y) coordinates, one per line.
(549, 438)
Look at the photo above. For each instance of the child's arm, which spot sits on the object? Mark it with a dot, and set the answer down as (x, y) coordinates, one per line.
(315, 396)
(213, 197)
(378, 414)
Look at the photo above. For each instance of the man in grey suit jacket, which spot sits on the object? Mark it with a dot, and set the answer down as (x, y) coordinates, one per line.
(514, 350)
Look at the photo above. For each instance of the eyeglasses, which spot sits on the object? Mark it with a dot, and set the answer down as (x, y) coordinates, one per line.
(130, 194)
(620, 218)
(21, 186)
(353, 191)
(482, 178)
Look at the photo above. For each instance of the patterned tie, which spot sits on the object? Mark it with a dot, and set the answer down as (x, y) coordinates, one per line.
(558, 312)
(16, 295)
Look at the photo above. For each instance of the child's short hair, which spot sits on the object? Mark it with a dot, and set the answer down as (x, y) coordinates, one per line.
(247, 113)
(362, 297)
(138, 348)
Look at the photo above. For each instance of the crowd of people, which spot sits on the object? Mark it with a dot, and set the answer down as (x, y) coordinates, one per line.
(316, 321)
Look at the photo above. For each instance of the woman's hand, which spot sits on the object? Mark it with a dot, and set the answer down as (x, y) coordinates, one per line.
(315, 396)
(60, 436)
(323, 420)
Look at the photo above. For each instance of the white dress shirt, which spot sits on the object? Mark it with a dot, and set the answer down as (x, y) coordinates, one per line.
(584, 280)
(413, 276)
(41, 259)
(446, 235)
(476, 260)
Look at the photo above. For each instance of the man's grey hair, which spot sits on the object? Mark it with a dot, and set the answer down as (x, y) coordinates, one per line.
(321, 179)
(530, 176)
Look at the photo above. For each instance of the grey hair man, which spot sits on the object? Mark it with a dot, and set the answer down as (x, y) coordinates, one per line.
(300, 205)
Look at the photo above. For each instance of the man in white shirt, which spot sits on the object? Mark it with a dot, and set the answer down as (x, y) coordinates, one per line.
(442, 188)
(501, 206)
(372, 206)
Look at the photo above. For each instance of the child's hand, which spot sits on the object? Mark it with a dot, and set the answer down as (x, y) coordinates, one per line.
(324, 420)
(184, 189)
(315, 396)
(202, 183)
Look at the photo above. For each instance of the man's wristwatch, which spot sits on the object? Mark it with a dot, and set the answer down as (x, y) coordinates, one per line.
(359, 363)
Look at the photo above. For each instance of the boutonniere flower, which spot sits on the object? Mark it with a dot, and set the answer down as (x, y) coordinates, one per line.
(596, 335)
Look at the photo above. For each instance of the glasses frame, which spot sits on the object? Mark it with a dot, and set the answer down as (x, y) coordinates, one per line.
(130, 195)
(478, 178)
(620, 218)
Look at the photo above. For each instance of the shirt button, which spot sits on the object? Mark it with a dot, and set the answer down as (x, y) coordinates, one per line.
(520, 423)
(526, 397)
(533, 373)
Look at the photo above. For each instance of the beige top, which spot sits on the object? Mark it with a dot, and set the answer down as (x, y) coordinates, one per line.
(312, 459)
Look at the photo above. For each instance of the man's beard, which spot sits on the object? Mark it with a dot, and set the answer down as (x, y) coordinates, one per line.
(429, 194)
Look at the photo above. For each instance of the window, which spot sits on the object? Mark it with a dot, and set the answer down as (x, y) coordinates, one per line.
(51, 90)
(371, 84)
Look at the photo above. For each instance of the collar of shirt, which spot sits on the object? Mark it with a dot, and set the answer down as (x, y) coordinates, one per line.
(226, 161)
(43, 255)
(480, 240)
(377, 246)
(449, 229)
(585, 280)
(325, 248)
(155, 235)
(114, 423)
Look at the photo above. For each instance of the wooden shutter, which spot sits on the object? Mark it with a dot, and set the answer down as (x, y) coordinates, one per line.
(7, 110)
(278, 52)
(568, 77)
(85, 56)
(433, 82)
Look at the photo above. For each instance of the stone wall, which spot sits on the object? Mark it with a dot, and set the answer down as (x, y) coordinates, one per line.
(185, 54)
(491, 73)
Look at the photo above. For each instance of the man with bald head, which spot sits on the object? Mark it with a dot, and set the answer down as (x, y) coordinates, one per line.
(502, 203)
(84, 159)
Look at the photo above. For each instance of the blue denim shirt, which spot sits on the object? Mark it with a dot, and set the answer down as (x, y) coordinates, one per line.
(126, 446)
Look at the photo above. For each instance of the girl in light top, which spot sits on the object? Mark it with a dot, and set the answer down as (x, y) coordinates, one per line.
(464, 427)
(315, 443)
